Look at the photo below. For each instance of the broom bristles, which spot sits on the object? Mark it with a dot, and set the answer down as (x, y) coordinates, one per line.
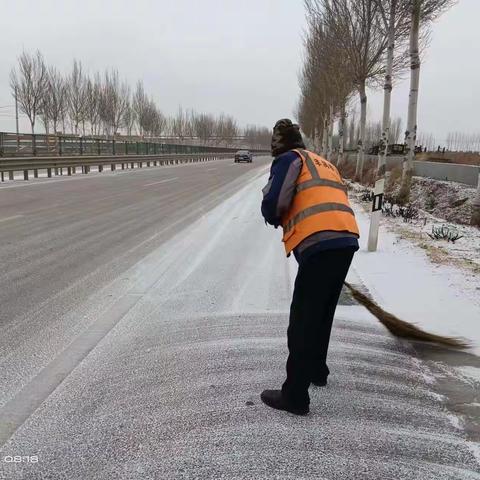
(400, 328)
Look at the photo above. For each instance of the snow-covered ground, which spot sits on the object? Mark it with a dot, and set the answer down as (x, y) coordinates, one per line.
(432, 283)
(401, 276)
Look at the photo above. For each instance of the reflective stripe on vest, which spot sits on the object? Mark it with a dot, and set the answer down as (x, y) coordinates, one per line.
(310, 165)
(316, 180)
(320, 208)
(321, 183)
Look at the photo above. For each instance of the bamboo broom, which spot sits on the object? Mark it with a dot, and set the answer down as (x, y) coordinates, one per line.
(400, 328)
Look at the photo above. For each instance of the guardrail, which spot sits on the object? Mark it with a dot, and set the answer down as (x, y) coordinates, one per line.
(69, 165)
(24, 144)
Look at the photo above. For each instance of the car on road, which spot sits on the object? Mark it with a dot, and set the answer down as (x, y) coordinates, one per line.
(243, 156)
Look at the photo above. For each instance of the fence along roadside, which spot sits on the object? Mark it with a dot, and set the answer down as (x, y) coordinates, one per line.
(13, 145)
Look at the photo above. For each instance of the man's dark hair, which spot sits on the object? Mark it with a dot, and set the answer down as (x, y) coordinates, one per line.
(286, 136)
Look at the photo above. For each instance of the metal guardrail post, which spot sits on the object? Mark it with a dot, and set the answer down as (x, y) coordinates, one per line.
(113, 147)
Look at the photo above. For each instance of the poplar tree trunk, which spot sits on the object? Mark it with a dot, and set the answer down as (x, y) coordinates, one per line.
(382, 154)
(341, 135)
(325, 137)
(387, 97)
(361, 140)
(476, 206)
(330, 135)
(411, 133)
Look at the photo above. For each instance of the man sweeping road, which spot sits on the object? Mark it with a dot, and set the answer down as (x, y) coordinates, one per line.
(305, 195)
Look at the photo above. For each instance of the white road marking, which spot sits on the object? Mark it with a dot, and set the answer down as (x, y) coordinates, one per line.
(210, 169)
(10, 218)
(161, 181)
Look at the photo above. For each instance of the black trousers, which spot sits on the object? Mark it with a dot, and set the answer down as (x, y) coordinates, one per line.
(318, 285)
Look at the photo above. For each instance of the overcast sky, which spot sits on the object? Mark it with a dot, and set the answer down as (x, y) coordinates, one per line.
(237, 57)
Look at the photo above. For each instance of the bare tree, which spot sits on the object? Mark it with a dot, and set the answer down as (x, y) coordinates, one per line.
(352, 140)
(114, 101)
(76, 94)
(29, 84)
(93, 96)
(325, 84)
(154, 120)
(422, 13)
(188, 124)
(356, 28)
(140, 105)
(53, 104)
(395, 130)
(179, 124)
(160, 123)
(225, 129)
(204, 125)
(104, 104)
(129, 118)
(257, 137)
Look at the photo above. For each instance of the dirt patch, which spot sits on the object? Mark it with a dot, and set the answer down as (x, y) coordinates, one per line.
(448, 200)
(466, 158)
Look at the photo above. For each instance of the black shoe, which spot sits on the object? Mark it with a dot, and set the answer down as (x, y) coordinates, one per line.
(319, 383)
(275, 399)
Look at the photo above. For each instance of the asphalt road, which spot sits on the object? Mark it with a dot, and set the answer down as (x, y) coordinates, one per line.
(140, 353)
(63, 240)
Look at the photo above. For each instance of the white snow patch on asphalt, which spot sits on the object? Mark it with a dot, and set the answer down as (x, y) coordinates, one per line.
(474, 447)
(471, 374)
(161, 181)
(456, 421)
(14, 217)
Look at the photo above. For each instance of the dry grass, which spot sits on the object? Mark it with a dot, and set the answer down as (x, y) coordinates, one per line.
(347, 170)
(466, 158)
(436, 254)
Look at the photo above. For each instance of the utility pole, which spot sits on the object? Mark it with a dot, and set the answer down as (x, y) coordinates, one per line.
(16, 120)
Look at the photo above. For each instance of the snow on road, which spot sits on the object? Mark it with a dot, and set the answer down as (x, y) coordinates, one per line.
(173, 390)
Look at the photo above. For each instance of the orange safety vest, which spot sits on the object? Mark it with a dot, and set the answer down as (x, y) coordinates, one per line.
(320, 202)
